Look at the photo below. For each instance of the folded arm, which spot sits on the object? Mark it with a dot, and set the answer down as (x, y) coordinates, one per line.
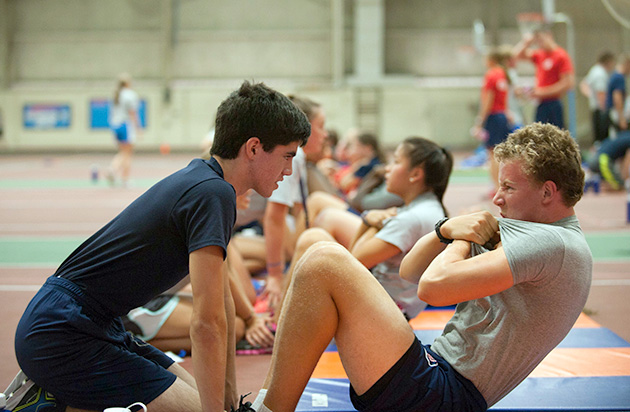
(480, 228)
(454, 277)
(366, 247)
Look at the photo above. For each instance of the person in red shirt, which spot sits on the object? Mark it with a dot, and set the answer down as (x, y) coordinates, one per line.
(492, 124)
(554, 74)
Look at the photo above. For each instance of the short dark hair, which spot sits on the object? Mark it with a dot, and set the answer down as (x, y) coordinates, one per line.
(606, 57)
(256, 110)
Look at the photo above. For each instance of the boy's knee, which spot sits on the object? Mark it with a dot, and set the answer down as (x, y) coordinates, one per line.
(322, 258)
(324, 218)
(316, 198)
(311, 236)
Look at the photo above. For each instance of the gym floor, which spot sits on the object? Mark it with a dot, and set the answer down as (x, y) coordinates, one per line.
(49, 205)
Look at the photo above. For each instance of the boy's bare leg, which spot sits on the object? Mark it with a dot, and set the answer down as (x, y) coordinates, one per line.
(341, 224)
(179, 396)
(318, 201)
(306, 240)
(334, 295)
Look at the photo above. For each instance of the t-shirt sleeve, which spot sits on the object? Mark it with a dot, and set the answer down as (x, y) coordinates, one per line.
(617, 82)
(533, 251)
(536, 57)
(403, 231)
(288, 191)
(599, 84)
(206, 214)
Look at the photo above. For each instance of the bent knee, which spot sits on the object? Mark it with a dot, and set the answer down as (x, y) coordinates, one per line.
(323, 257)
(311, 236)
(317, 198)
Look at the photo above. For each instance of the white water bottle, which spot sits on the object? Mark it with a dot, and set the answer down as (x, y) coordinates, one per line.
(127, 409)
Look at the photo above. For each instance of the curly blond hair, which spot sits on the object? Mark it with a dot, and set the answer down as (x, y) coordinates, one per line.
(546, 153)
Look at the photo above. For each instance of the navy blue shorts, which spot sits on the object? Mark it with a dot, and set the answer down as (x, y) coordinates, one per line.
(421, 381)
(66, 345)
(550, 111)
(498, 129)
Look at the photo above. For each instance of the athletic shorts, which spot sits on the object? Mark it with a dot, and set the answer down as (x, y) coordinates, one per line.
(421, 381)
(550, 111)
(498, 129)
(124, 133)
(87, 360)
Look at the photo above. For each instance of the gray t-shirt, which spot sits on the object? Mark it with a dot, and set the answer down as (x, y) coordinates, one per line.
(403, 231)
(496, 341)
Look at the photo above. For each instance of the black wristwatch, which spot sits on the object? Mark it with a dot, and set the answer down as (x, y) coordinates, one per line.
(438, 225)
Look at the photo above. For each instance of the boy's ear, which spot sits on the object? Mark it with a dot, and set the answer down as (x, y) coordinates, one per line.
(252, 146)
(549, 191)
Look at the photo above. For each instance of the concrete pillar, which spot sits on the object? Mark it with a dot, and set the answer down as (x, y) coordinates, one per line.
(369, 40)
(170, 10)
(6, 39)
(337, 42)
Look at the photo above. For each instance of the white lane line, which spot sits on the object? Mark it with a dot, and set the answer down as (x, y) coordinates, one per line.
(20, 288)
(49, 227)
(611, 282)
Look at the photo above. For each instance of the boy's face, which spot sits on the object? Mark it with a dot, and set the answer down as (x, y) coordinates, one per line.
(517, 197)
(271, 167)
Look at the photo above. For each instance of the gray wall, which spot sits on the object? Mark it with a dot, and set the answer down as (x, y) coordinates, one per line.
(70, 52)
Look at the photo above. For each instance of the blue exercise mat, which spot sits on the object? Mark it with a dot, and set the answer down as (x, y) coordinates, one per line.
(609, 393)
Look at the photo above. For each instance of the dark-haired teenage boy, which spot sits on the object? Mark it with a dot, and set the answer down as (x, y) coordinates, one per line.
(70, 340)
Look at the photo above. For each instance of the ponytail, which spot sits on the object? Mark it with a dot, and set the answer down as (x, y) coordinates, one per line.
(124, 80)
(501, 58)
(436, 161)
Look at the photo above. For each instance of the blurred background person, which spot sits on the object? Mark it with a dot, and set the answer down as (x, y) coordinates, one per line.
(594, 87)
(125, 123)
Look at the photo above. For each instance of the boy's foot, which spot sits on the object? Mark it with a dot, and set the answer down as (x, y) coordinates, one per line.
(24, 395)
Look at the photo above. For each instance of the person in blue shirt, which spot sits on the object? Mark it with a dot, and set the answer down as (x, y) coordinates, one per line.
(612, 160)
(71, 341)
(616, 94)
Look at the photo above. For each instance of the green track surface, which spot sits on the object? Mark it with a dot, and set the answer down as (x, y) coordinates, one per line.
(27, 251)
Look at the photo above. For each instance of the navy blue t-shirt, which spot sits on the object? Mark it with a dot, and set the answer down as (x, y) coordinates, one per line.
(144, 250)
(616, 82)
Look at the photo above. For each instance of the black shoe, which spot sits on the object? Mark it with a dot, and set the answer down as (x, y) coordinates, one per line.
(243, 407)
